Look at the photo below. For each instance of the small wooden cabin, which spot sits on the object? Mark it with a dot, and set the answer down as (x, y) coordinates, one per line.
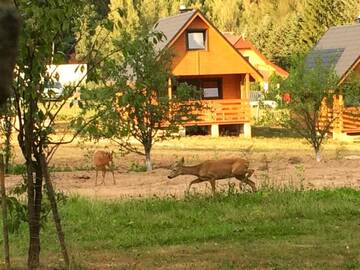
(206, 59)
(341, 46)
(256, 58)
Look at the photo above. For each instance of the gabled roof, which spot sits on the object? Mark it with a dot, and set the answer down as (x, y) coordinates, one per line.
(241, 44)
(339, 46)
(231, 38)
(173, 26)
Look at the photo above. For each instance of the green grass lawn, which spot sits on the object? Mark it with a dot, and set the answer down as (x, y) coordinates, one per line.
(265, 230)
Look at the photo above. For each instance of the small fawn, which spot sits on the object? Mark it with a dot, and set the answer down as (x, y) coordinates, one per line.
(101, 160)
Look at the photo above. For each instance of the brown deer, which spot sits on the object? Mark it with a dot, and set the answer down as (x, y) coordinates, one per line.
(102, 159)
(212, 170)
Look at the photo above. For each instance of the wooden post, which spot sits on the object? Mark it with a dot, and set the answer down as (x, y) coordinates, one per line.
(246, 101)
(169, 88)
(247, 86)
(4, 213)
(242, 88)
(338, 108)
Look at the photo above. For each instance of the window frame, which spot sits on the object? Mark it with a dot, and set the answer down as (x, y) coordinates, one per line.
(199, 84)
(204, 32)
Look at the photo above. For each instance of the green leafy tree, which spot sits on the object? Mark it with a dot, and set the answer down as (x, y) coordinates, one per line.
(133, 102)
(227, 14)
(45, 24)
(310, 88)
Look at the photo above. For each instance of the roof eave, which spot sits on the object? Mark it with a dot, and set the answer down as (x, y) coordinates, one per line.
(348, 72)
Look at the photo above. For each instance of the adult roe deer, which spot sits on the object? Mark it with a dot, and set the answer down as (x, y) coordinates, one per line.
(102, 159)
(212, 170)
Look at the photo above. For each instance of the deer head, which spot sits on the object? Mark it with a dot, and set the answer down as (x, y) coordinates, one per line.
(176, 168)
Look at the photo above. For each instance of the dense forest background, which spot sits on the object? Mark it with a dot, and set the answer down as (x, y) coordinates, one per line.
(278, 28)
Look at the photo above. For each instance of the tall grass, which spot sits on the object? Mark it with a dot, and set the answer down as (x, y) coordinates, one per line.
(326, 215)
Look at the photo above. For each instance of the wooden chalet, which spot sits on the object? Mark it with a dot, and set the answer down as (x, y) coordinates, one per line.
(341, 46)
(256, 58)
(206, 59)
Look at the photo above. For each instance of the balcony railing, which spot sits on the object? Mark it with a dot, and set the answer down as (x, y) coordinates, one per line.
(351, 119)
(224, 111)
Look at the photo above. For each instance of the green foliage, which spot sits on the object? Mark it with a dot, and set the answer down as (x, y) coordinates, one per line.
(133, 101)
(226, 15)
(136, 167)
(351, 90)
(18, 211)
(17, 214)
(318, 16)
(17, 169)
(308, 87)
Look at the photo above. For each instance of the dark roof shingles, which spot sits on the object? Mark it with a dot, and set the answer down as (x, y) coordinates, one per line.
(340, 44)
(170, 26)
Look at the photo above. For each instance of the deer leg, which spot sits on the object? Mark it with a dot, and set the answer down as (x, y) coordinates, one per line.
(249, 173)
(103, 175)
(212, 182)
(197, 180)
(247, 181)
(96, 177)
(111, 168)
(251, 184)
(112, 171)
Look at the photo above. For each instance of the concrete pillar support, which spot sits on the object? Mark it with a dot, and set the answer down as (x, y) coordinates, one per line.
(182, 131)
(214, 130)
(247, 130)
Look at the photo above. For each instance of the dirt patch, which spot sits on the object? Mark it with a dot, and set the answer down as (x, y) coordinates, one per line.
(278, 169)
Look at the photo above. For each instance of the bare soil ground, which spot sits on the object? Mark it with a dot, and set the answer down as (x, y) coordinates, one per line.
(277, 162)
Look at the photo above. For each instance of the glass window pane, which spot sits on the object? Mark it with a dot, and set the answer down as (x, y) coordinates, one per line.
(211, 88)
(211, 92)
(196, 40)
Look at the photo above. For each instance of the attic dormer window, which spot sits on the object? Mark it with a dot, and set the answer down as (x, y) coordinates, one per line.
(196, 39)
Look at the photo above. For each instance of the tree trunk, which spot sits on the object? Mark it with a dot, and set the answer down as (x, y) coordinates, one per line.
(55, 212)
(8, 131)
(34, 223)
(34, 190)
(148, 161)
(4, 214)
(318, 155)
